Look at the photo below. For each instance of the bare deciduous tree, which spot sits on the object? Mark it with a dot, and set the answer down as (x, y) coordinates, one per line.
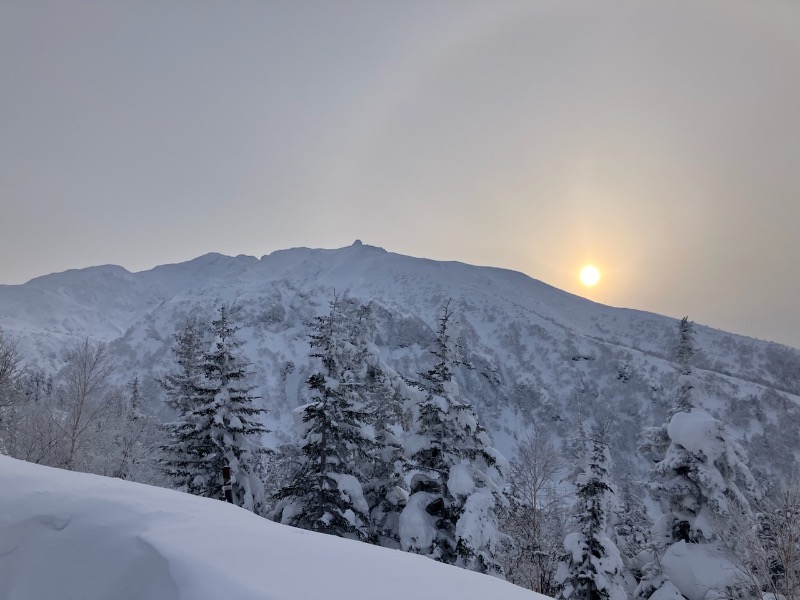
(85, 396)
(10, 365)
(765, 547)
(125, 442)
(10, 368)
(537, 518)
(34, 436)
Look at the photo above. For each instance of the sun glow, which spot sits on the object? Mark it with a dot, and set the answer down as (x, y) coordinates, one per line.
(590, 275)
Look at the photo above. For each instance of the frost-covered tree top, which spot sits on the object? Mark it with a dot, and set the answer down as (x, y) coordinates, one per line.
(435, 378)
(684, 352)
(704, 469)
(187, 350)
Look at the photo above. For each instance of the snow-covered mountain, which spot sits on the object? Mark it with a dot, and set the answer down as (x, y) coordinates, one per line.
(74, 536)
(541, 356)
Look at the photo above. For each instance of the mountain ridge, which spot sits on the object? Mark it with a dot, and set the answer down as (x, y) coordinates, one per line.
(541, 355)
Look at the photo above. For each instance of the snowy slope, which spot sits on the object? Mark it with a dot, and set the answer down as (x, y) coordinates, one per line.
(71, 536)
(541, 355)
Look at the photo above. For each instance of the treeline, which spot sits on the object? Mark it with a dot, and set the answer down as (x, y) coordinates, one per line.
(402, 461)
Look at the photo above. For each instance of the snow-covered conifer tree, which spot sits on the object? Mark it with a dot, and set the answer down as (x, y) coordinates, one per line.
(219, 422)
(384, 393)
(592, 568)
(187, 451)
(684, 352)
(703, 468)
(326, 493)
(188, 349)
(700, 472)
(135, 398)
(452, 513)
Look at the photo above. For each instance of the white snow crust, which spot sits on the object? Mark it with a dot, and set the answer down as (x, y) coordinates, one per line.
(71, 536)
(698, 432)
(460, 481)
(417, 527)
(698, 570)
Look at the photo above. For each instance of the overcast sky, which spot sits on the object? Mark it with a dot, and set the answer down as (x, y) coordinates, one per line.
(660, 140)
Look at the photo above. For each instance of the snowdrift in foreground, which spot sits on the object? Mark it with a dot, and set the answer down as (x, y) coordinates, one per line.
(74, 536)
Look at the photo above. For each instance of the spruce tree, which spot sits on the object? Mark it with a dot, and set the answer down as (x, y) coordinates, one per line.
(188, 347)
(383, 394)
(219, 422)
(187, 451)
(699, 472)
(136, 395)
(326, 494)
(592, 568)
(452, 513)
(703, 470)
(384, 487)
(684, 352)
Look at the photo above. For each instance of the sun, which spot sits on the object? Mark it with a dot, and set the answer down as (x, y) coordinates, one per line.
(590, 275)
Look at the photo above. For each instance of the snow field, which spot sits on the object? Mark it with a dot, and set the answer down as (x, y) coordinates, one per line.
(73, 536)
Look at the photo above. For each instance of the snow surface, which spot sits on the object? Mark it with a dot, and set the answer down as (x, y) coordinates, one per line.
(460, 480)
(698, 570)
(417, 527)
(699, 433)
(72, 536)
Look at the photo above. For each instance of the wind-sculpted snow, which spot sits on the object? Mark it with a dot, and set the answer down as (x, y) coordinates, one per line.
(539, 355)
(72, 536)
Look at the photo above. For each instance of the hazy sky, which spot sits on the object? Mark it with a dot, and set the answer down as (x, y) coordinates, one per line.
(660, 140)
